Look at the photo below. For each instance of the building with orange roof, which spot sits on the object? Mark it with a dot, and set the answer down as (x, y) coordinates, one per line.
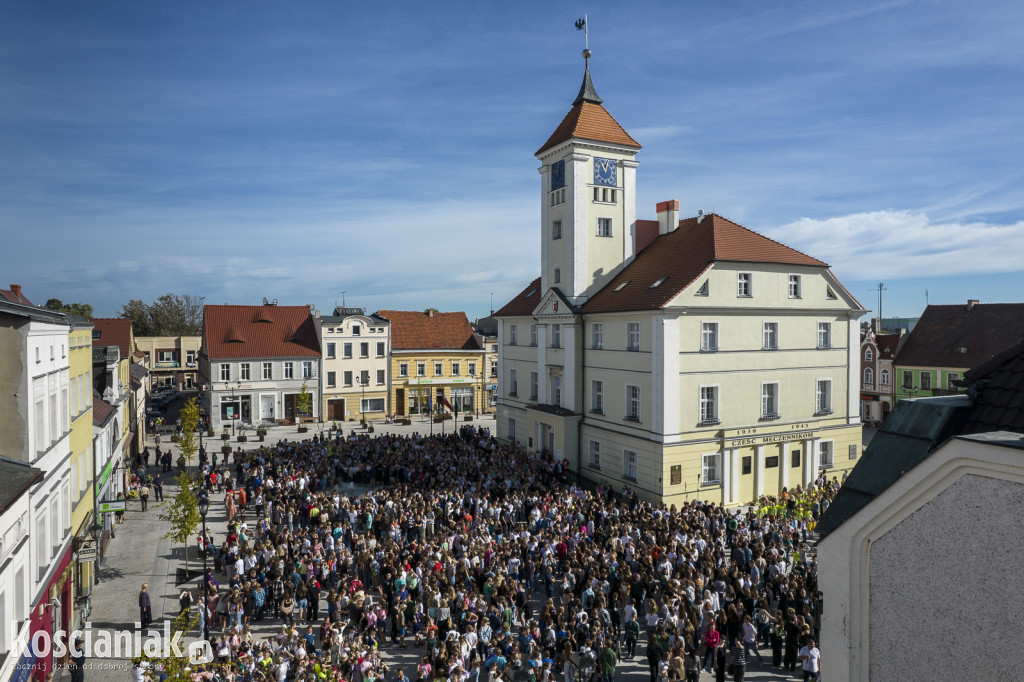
(685, 359)
(434, 355)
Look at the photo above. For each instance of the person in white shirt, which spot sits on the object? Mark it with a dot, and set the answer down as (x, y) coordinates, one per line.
(811, 660)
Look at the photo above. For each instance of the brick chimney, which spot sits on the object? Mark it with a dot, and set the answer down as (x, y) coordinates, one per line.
(16, 290)
(668, 216)
(971, 302)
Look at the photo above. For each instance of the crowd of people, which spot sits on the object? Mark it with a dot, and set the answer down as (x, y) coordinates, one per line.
(489, 563)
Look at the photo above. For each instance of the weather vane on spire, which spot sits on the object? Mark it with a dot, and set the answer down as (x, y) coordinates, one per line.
(581, 25)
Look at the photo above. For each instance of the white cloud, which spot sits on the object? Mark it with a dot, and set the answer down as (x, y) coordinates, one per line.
(903, 244)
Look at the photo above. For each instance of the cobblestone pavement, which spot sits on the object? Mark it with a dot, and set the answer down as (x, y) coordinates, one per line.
(141, 554)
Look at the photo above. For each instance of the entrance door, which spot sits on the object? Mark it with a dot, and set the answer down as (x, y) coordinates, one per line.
(400, 402)
(547, 438)
(266, 407)
(336, 409)
(289, 406)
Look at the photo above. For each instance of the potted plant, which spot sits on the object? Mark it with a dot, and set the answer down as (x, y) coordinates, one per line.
(468, 418)
(226, 449)
(261, 431)
(225, 435)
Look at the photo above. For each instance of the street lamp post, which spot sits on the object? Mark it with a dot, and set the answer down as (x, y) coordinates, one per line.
(237, 413)
(204, 509)
(362, 401)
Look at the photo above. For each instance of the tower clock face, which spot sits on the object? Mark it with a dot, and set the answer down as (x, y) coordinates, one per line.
(557, 175)
(606, 172)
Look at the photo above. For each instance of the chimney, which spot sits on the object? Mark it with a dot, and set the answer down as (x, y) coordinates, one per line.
(668, 216)
(16, 290)
(971, 302)
(430, 312)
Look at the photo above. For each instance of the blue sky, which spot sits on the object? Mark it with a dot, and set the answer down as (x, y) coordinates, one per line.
(297, 150)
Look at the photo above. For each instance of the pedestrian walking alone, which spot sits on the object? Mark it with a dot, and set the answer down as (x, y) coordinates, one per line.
(144, 495)
(145, 606)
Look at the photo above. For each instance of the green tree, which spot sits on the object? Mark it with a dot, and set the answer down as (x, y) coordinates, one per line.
(182, 512)
(189, 424)
(83, 309)
(304, 402)
(174, 668)
(169, 315)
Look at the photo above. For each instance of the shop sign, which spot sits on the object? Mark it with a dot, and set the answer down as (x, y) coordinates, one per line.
(112, 506)
(771, 439)
(87, 551)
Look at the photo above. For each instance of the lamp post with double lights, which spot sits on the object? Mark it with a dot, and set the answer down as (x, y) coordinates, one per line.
(237, 409)
(204, 509)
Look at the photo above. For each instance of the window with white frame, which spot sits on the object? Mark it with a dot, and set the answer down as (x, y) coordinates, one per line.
(403, 369)
(604, 227)
(289, 370)
(744, 284)
(708, 336)
(884, 377)
(494, 368)
(869, 376)
(347, 377)
(770, 400)
(868, 355)
(632, 403)
(364, 349)
(951, 379)
(597, 397)
(513, 336)
(556, 336)
(381, 376)
(421, 369)
(533, 385)
(708, 404)
(594, 458)
(629, 459)
(438, 368)
(597, 336)
(307, 369)
(332, 349)
(556, 229)
(824, 335)
(558, 275)
(380, 349)
(332, 379)
(926, 381)
(533, 335)
(795, 290)
(825, 454)
(513, 382)
(371, 405)
(556, 389)
(346, 350)
(471, 368)
(356, 330)
(823, 397)
(632, 336)
(225, 371)
(770, 336)
(364, 377)
(456, 368)
(711, 469)
(268, 370)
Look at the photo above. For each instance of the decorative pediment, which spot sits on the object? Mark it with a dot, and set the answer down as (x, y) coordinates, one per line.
(554, 305)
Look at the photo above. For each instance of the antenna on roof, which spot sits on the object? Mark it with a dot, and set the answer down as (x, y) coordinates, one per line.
(343, 297)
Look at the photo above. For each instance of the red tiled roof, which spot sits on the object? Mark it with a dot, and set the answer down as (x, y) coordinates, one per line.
(413, 330)
(9, 295)
(113, 331)
(980, 331)
(646, 232)
(259, 331)
(1000, 402)
(887, 345)
(589, 121)
(101, 410)
(682, 256)
(523, 303)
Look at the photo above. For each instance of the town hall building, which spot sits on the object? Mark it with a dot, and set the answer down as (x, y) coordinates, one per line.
(685, 359)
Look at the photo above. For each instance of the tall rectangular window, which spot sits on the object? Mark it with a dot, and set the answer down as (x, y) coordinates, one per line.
(824, 335)
(268, 370)
(711, 469)
(513, 336)
(331, 379)
(243, 371)
(471, 369)
(512, 429)
(533, 385)
(364, 377)
(708, 404)
(597, 397)
(771, 336)
(556, 336)
(597, 336)
(770, 401)
(347, 377)
(380, 377)
(826, 455)
(632, 403)
(403, 369)
(289, 370)
(926, 381)
(494, 368)
(421, 369)
(908, 378)
(629, 458)
(380, 349)
(533, 335)
(744, 284)
(456, 368)
(604, 227)
(225, 371)
(632, 336)
(823, 397)
(307, 369)
(357, 330)
(794, 286)
(438, 369)
(709, 336)
(346, 350)
(556, 229)
(331, 349)
(364, 349)
(513, 382)
(556, 389)
(594, 458)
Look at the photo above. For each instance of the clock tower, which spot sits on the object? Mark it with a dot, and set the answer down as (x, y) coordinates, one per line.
(588, 197)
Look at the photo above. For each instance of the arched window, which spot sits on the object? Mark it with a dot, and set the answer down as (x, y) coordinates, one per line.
(868, 355)
(884, 376)
(869, 376)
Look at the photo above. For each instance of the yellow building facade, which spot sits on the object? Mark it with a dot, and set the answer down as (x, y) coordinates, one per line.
(81, 461)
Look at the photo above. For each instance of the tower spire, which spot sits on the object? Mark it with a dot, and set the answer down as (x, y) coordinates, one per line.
(587, 92)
